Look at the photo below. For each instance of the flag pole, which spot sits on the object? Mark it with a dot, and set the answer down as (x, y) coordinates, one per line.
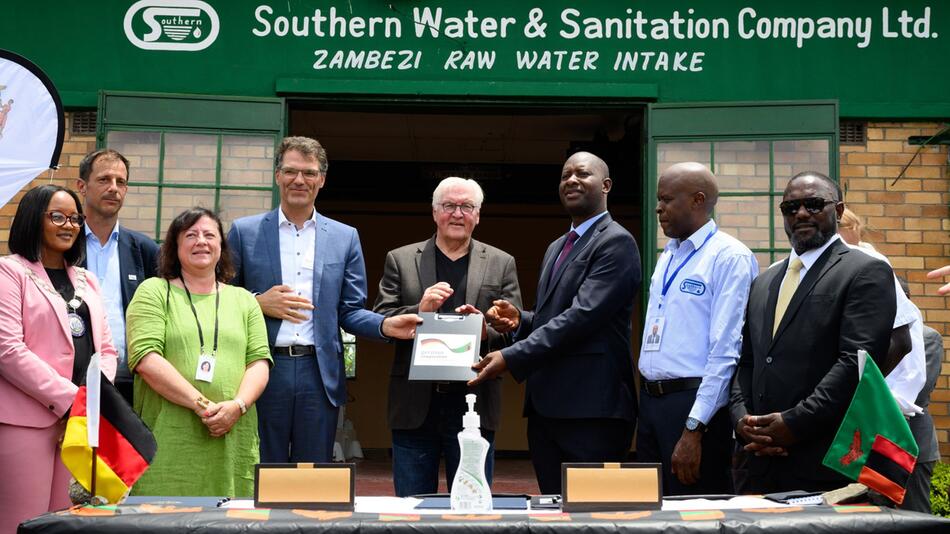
(92, 478)
(93, 394)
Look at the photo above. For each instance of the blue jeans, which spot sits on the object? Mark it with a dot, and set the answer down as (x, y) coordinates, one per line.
(417, 452)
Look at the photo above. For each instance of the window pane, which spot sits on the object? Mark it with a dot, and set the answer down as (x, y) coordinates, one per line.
(177, 200)
(247, 160)
(745, 218)
(793, 157)
(139, 210)
(190, 158)
(236, 204)
(742, 165)
(141, 149)
(781, 238)
(670, 153)
(764, 259)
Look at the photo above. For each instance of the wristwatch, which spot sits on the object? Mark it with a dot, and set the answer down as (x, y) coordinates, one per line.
(693, 424)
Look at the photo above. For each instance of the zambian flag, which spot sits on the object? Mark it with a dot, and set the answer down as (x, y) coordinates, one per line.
(874, 444)
(125, 446)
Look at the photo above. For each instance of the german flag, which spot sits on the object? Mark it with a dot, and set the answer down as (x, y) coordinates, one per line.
(126, 446)
(874, 419)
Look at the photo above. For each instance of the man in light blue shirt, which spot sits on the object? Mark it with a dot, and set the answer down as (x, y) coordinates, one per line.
(120, 258)
(691, 337)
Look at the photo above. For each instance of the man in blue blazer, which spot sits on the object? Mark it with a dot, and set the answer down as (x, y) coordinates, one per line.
(307, 273)
(121, 258)
(574, 348)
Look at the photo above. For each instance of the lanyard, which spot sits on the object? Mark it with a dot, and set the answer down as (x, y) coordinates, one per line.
(217, 302)
(668, 282)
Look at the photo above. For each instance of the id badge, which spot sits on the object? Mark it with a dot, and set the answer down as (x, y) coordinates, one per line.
(205, 371)
(653, 334)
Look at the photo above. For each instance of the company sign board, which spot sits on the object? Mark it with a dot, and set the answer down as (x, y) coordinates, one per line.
(879, 58)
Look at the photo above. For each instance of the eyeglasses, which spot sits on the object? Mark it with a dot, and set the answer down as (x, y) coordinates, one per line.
(59, 218)
(450, 208)
(813, 205)
(290, 173)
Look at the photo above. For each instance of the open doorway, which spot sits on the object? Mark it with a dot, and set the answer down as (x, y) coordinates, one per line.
(385, 162)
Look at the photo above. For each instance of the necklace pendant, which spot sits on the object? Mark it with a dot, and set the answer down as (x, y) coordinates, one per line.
(77, 327)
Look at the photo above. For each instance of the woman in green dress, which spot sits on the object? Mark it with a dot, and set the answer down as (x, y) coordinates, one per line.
(198, 348)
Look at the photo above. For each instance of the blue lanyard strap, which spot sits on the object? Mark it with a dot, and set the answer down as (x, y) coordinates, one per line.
(668, 282)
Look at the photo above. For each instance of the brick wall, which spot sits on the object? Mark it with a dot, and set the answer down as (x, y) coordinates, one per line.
(908, 221)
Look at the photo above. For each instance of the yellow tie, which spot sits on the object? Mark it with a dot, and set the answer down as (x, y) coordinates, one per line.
(789, 285)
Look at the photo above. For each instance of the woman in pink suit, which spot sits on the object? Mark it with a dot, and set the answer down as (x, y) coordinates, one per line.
(52, 320)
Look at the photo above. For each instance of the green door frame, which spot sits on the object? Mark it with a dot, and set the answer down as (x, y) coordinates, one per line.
(728, 121)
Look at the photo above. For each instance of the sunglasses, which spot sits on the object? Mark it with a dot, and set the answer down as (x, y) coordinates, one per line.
(813, 205)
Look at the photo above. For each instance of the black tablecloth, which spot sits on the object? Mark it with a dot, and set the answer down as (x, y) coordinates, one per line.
(165, 518)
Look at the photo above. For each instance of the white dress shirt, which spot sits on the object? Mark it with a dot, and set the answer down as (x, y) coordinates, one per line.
(296, 271)
(103, 261)
(584, 226)
(908, 378)
(702, 332)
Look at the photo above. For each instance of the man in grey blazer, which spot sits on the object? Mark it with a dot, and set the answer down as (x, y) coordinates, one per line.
(449, 272)
(307, 273)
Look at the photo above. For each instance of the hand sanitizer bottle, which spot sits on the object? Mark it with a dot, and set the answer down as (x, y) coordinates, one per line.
(470, 491)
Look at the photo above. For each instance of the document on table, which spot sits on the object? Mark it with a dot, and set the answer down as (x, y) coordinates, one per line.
(741, 501)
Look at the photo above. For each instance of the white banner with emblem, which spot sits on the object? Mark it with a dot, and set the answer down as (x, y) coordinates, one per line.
(31, 124)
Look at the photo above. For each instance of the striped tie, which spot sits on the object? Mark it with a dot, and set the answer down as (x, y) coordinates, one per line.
(789, 285)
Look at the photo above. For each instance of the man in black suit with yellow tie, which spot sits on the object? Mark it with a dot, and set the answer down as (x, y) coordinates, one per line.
(806, 319)
(574, 348)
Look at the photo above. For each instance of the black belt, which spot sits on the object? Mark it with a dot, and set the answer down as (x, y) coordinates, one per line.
(658, 388)
(294, 350)
(449, 388)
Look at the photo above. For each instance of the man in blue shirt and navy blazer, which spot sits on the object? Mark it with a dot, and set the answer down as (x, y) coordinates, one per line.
(307, 273)
(120, 258)
(691, 338)
(574, 348)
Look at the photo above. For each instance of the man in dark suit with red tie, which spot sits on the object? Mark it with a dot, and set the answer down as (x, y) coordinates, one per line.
(573, 350)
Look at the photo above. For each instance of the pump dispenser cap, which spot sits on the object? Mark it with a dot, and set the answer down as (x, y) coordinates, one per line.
(471, 419)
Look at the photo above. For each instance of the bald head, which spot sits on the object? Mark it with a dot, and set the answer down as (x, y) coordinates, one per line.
(697, 178)
(685, 197)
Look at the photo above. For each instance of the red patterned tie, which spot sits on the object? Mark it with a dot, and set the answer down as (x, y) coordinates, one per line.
(565, 252)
